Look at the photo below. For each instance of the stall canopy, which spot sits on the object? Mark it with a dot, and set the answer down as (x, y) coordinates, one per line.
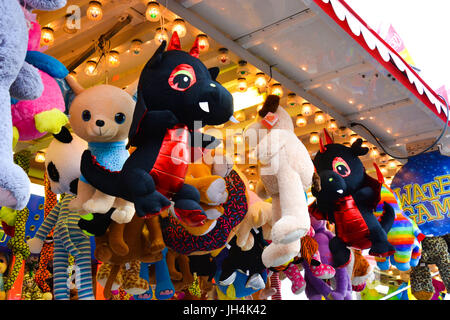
(323, 51)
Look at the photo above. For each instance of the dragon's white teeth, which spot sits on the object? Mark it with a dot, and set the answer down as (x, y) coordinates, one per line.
(204, 106)
(233, 119)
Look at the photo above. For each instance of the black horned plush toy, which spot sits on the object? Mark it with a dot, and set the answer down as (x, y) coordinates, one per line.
(177, 95)
(347, 196)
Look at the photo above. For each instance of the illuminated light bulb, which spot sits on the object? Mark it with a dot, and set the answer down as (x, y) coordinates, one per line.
(292, 100)
(388, 180)
(314, 138)
(40, 157)
(374, 153)
(306, 109)
(252, 185)
(301, 121)
(259, 107)
(91, 68)
(365, 144)
(238, 139)
(392, 164)
(319, 117)
(161, 35)
(203, 43)
(153, 11)
(223, 56)
(242, 70)
(237, 158)
(351, 101)
(47, 36)
(277, 90)
(329, 87)
(260, 81)
(136, 46)
(94, 11)
(242, 84)
(343, 132)
(113, 59)
(353, 138)
(332, 125)
(180, 27)
(383, 169)
(240, 116)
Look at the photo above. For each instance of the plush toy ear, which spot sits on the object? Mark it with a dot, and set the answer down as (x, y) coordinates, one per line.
(214, 72)
(157, 56)
(357, 148)
(74, 85)
(64, 135)
(270, 105)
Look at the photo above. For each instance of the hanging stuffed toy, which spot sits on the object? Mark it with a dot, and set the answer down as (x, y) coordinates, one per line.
(19, 80)
(102, 116)
(286, 171)
(62, 165)
(34, 118)
(176, 94)
(347, 196)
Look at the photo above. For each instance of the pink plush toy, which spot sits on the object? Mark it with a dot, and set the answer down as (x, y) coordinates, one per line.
(34, 118)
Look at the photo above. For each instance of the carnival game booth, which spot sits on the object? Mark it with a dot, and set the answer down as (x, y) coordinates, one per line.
(334, 80)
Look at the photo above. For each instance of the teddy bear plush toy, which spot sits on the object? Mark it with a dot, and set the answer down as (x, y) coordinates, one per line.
(32, 119)
(347, 196)
(19, 80)
(62, 164)
(286, 171)
(102, 116)
(175, 92)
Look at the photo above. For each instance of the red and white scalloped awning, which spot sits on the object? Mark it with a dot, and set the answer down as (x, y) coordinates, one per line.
(323, 51)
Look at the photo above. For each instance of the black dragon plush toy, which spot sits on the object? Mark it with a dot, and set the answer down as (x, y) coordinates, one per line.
(347, 196)
(177, 95)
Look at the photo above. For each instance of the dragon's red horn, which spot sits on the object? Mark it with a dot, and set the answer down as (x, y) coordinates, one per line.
(195, 50)
(174, 42)
(328, 139)
(379, 173)
(322, 148)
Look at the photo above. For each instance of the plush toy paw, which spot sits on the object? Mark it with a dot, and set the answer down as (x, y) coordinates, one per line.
(277, 254)
(214, 213)
(151, 204)
(97, 205)
(35, 245)
(255, 282)
(190, 212)
(229, 280)
(103, 274)
(287, 230)
(50, 121)
(14, 185)
(381, 249)
(217, 192)
(8, 216)
(323, 271)
(123, 214)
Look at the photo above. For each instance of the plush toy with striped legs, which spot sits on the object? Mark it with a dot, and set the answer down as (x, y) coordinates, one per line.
(62, 164)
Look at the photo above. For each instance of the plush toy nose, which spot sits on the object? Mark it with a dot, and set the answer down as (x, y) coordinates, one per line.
(100, 123)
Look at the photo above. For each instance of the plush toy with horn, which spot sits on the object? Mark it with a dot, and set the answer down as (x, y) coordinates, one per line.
(348, 197)
(176, 95)
(286, 171)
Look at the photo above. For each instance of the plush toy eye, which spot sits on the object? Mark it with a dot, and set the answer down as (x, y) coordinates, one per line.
(86, 115)
(341, 167)
(182, 77)
(120, 118)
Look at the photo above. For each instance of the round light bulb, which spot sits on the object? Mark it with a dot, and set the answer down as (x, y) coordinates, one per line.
(301, 121)
(40, 157)
(260, 81)
(136, 46)
(94, 11)
(292, 100)
(374, 153)
(91, 68)
(223, 56)
(180, 27)
(47, 36)
(332, 125)
(277, 90)
(153, 11)
(113, 59)
(203, 43)
(353, 138)
(319, 117)
(314, 138)
(161, 35)
(306, 109)
(242, 84)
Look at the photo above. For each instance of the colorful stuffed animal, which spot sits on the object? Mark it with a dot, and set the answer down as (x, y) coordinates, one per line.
(34, 118)
(286, 171)
(19, 80)
(404, 234)
(347, 196)
(102, 116)
(175, 93)
(65, 152)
